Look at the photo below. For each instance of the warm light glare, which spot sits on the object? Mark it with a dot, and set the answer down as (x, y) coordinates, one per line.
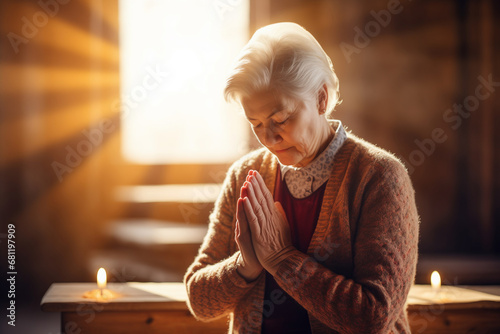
(101, 278)
(435, 280)
(174, 60)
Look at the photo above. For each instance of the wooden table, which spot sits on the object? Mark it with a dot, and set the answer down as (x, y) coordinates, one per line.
(139, 308)
(454, 309)
(161, 308)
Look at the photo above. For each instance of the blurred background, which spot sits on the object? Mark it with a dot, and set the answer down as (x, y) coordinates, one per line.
(114, 135)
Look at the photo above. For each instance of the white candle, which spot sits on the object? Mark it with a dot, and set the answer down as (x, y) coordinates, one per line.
(435, 281)
(101, 279)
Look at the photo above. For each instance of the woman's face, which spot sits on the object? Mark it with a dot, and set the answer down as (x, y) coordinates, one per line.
(295, 132)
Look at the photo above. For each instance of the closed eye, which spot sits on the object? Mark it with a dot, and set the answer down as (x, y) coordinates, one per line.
(256, 126)
(283, 122)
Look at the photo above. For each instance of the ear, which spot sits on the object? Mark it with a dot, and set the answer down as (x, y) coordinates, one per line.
(322, 99)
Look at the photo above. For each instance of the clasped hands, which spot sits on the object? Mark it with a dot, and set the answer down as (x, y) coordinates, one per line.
(262, 232)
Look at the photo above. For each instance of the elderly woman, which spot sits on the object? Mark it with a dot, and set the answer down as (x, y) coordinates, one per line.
(317, 231)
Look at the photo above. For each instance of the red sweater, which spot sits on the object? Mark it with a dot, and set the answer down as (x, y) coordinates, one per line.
(360, 263)
(287, 315)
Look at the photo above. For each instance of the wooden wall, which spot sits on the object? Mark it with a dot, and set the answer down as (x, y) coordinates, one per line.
(59, 73)
(402, 66)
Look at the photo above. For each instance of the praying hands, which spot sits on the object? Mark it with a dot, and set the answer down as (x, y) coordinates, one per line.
(262, 232)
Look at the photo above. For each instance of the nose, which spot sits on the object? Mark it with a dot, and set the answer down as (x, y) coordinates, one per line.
(271, 137)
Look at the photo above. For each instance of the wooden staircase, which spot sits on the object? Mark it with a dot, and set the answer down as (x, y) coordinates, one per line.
(160, 227)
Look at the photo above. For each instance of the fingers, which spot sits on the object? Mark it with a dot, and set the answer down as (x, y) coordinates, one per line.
(243, 191)
(240, 212)
(241, 219)
(243, 212)
(261, 189)
(237, 236)
(241, 234)
(252, 220)
(266, 193)
(259, 192)
(259, 195)
(254, 200)
(257, 203)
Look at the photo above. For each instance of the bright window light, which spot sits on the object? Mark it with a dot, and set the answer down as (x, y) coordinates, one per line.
(174, 59)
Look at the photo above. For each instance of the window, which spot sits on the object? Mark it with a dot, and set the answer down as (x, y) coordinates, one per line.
(174, 58)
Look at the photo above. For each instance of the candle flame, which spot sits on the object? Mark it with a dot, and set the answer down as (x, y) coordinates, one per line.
(101, 278)
(435, 280)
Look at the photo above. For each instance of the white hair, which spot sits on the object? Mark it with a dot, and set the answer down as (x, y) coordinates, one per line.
(287, 58)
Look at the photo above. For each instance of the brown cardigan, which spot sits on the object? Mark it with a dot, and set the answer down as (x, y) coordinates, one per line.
(361, 260)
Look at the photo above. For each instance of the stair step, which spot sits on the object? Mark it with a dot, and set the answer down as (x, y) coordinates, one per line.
(196, 213)
(178, 193)
(152, 249)
(128, 267)
(156, 232)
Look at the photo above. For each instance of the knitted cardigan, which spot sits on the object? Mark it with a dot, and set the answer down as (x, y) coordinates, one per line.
(360, 264)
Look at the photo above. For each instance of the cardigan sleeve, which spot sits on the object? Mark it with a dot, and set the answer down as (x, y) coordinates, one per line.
(384, 260)
(213, 285)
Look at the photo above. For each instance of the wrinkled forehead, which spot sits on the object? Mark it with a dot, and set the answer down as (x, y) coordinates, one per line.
(265, 103)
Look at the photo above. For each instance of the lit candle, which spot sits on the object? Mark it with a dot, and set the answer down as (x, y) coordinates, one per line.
(101, 279)
(435, 281)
